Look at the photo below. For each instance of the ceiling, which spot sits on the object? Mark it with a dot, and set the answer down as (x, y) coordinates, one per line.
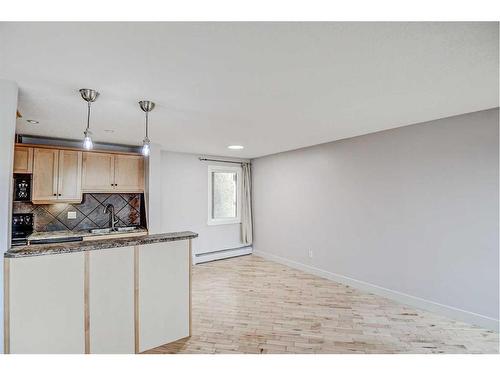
(270, 87)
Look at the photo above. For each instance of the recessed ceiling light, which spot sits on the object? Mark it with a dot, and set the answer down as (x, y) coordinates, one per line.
(109, 131)
(32, 122)
(235, 147)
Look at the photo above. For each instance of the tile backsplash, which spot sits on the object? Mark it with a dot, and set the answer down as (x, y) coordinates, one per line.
(89, 214)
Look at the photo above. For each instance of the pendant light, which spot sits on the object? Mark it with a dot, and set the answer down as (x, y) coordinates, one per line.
(147, 106)
(89, 96)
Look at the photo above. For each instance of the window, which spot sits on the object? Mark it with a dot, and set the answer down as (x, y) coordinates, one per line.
(224, 188)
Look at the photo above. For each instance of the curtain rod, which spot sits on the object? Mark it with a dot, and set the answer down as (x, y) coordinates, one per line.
(225, 161)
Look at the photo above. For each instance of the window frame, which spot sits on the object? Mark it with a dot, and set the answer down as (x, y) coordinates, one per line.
(228, 169)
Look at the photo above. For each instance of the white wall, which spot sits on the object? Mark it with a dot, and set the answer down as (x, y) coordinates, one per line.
(153, 191)
(184, 188)
(410, 213)
(8, 107)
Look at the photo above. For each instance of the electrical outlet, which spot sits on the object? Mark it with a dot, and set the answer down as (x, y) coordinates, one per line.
(310, 253)
(71, 214)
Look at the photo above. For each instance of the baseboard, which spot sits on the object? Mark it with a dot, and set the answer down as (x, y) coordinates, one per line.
(445, 310)
(221, 254)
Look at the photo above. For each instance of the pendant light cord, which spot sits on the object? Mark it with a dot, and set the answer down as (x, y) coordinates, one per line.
(88, 116)
(147, 125)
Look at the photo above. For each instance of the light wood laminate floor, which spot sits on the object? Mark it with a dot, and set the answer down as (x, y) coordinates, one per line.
(252, 305)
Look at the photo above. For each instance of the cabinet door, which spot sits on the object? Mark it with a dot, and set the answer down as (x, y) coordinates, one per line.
(129, 173)
(111, 301)
(70, 176)
(46, 299)
(45, 168)
(98, 172)
(23, 159)
(163, 293)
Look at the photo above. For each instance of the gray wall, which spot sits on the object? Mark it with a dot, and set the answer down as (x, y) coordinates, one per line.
(184, 191)
(8, 107)
(413, 210)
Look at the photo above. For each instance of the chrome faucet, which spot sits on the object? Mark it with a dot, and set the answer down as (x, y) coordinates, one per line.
(112, 218)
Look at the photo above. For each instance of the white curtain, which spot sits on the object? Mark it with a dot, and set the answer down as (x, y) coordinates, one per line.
(246, 205)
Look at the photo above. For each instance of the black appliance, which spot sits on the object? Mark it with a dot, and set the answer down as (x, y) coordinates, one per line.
(22, 187)
(22, 227)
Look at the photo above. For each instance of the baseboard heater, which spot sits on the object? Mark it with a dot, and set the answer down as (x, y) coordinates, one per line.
(222, 254)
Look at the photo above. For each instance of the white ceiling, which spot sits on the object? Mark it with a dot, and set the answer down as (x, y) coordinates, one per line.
(268, 86)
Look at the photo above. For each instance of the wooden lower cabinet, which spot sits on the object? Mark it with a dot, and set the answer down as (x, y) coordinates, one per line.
(45, 296)
(163, 320)
(111, 301)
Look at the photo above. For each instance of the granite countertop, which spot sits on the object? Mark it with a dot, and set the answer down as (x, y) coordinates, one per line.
(72, 247)
(77, 233)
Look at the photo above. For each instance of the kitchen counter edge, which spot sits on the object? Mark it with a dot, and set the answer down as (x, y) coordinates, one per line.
(74, 247)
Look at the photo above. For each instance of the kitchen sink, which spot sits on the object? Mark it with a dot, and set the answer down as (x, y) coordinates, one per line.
(109, 230)
(125, 229)
(101, 231)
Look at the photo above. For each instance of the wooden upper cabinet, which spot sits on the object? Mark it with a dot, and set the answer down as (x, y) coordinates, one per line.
(23, 159)
(45, 169)
(98, 172)
(63, 174)
(69, 186)
(112, 172)
(129, 173)
(57, 175)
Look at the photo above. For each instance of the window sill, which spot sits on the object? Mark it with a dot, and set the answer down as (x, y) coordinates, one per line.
(223, 222)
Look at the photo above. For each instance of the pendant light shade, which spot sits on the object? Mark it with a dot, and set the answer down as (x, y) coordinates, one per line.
(87, 140)
(89, 96)
(147, 106)
(146, 148)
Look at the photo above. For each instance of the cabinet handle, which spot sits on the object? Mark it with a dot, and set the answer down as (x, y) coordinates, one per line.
(59, 194)
(55, 195)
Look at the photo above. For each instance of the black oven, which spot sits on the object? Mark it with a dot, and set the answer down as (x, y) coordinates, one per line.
(22, 187)
(22, 227)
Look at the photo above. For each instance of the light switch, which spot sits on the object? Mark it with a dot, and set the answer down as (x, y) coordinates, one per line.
(71, 214)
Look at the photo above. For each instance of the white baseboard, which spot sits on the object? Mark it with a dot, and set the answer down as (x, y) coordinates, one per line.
(221, 254)
(445, 310)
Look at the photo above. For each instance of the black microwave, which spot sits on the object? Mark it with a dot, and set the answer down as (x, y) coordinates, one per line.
(22, 187)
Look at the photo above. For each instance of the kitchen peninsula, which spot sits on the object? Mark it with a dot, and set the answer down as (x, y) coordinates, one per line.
(115, 295)
(83, 274)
